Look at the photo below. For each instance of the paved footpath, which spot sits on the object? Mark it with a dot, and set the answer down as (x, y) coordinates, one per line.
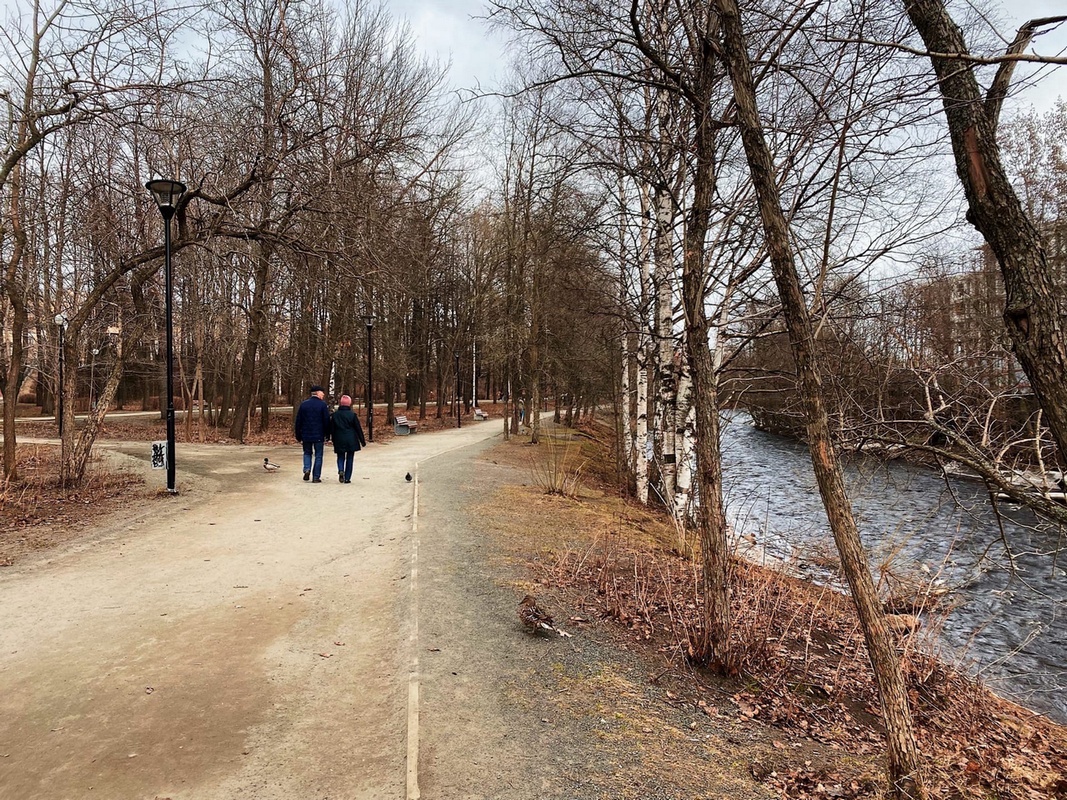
(253, 637)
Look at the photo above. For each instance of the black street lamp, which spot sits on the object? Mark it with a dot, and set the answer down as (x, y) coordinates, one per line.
(459, 423)
(61, 321)
(369, 320)
(167, 193)
(92, 376)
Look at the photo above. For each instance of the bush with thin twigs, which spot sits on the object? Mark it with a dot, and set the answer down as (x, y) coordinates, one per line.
(556, 467)
(13, 494)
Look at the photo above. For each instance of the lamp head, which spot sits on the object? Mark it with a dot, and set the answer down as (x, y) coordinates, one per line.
(61, 319)
(166, 193)
(369, 320)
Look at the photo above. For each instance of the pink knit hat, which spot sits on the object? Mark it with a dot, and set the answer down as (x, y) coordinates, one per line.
(346, 400)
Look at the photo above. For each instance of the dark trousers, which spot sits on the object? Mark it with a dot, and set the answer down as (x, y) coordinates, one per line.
(344, 464)
(316, 447)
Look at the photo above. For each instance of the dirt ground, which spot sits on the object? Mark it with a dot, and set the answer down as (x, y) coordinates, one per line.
(251, 639)
(37, 515)
(248, 637)
(243, 640)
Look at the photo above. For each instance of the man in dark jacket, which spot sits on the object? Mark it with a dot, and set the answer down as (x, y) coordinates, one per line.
(312, 429)
(347, 438)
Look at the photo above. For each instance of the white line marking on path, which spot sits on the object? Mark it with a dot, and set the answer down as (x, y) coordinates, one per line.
(413, 673)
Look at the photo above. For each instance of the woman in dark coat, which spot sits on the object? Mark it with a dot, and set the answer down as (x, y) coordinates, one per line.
(347, 438)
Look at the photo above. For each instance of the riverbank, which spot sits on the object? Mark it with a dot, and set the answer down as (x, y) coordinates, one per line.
(1000, 566)
(804, 691)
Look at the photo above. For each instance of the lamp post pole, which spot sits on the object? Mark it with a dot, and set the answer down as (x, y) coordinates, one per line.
(167, 193)
(61, 321)
(459, 423)
(369, 320)
(92, 377)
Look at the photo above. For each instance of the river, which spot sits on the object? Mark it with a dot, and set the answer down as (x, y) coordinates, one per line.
(1005, 625)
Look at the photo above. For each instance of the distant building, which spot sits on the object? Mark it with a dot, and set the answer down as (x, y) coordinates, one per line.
(963, 306)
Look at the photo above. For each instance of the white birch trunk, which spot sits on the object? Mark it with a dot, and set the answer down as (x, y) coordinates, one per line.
(644, 360)
(641, 426)
(665, 342)
(629, 451)
(662, 281)
(685, 445)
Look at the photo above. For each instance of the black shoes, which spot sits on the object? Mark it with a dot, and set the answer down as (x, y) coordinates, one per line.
(340, 477)
(316, 480)
(348, 481)
(307, 474)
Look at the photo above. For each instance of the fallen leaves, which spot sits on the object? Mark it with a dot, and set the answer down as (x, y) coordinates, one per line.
(746, 707)
(805, 669)
(36, 513)
(808, 782)
(710, 711)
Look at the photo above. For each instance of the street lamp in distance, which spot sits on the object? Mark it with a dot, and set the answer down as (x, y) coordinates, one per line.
(368, 320)
(167, 194)
(92, 376)
(61, 321)
(459, 423)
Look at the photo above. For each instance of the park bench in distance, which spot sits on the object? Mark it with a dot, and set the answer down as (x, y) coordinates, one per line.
(402, 426)
(481, 415)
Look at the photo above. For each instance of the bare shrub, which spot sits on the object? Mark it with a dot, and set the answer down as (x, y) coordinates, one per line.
(556, 467)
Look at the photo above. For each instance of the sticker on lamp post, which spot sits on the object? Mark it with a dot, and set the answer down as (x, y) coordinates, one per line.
(159, 455)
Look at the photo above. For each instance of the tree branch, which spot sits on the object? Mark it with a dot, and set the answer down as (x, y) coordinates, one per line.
(1008, 57)
(998, 90)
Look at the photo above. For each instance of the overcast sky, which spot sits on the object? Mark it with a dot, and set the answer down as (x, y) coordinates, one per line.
(452, 31)
(455, 30)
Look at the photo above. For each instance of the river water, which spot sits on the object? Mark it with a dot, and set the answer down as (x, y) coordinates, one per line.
(1008, 618)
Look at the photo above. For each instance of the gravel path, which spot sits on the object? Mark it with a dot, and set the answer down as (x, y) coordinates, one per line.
(252, 637)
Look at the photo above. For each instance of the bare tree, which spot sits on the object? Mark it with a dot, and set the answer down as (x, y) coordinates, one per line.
(904, 765)
(59, 75)
(1034, 308)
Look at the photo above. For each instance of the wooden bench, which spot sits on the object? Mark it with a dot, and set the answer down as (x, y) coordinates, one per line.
(402, 426)
(481, 415)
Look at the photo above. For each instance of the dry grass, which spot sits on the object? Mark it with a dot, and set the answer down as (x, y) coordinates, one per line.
(556, 465)
(803, 667)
